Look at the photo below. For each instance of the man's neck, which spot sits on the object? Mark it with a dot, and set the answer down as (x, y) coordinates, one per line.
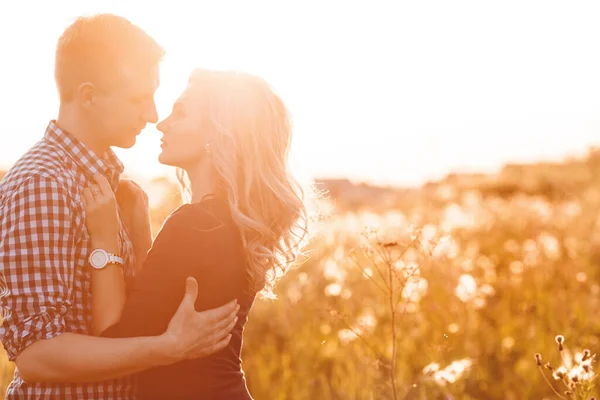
(68, 120)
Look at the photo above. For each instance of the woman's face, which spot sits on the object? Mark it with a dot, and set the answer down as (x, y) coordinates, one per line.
(184, 140)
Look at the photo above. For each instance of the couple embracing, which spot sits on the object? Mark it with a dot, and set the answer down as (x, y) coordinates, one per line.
(91, 307)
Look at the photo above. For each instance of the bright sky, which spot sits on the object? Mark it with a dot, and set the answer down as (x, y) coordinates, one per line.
(391, 92)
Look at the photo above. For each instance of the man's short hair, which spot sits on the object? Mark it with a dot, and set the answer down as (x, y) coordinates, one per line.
(93, 48)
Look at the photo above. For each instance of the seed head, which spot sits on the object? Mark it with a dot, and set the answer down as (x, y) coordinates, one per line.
(538, 359)
(586, 367)
(560, 373)
(560, 339)
(586, 354)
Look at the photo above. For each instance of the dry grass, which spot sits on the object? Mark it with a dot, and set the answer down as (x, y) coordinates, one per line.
(449, 299)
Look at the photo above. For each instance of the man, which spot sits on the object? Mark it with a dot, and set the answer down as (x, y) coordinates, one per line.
(106, 73)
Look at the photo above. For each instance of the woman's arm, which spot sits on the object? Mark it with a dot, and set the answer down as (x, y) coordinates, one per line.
(135, 215)
(108, 292)
(108, 283)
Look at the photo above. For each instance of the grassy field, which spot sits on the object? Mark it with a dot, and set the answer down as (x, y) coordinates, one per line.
(447, 293)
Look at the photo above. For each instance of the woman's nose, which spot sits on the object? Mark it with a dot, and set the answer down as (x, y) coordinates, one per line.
(161, 125)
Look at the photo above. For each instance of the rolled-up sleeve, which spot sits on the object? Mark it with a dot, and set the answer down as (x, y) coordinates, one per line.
(37, 256)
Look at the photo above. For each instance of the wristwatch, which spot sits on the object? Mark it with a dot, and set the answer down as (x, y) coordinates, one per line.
(100, 258)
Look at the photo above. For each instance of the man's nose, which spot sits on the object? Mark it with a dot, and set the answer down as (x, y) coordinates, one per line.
(151, 115)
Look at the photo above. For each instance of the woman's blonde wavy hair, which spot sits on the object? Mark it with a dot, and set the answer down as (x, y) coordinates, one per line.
(250, 135)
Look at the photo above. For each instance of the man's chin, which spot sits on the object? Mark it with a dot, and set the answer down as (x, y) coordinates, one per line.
(126, 144)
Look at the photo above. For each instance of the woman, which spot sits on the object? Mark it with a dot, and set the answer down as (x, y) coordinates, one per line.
(229, 135)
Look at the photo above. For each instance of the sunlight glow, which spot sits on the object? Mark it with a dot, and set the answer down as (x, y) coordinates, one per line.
(378, 91)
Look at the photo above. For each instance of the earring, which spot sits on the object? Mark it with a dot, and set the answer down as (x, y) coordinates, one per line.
(207, 147)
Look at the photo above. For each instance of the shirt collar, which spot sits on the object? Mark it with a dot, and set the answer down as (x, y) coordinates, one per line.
(108, 164)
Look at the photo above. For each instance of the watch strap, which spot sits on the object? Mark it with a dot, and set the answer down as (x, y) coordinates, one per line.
(115, 259)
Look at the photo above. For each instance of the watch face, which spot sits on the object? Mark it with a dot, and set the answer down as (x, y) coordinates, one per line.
(98, 259)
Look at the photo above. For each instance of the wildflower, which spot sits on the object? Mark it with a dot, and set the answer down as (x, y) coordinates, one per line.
(334, 271)
(366, 321)
(466, 288)
(581, 277)
(414, 290)
(453, 328)
(431, 368)
(516, 267)
(451, 373)
(346, 335)
(333, 289)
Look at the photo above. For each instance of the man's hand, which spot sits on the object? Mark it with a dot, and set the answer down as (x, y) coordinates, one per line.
(193, 334)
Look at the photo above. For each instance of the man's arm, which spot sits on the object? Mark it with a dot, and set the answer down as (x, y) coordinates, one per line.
(79, 358)
(71, 357)
(37, 256)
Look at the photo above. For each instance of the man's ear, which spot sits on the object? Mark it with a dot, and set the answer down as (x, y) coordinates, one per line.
(86, 94)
